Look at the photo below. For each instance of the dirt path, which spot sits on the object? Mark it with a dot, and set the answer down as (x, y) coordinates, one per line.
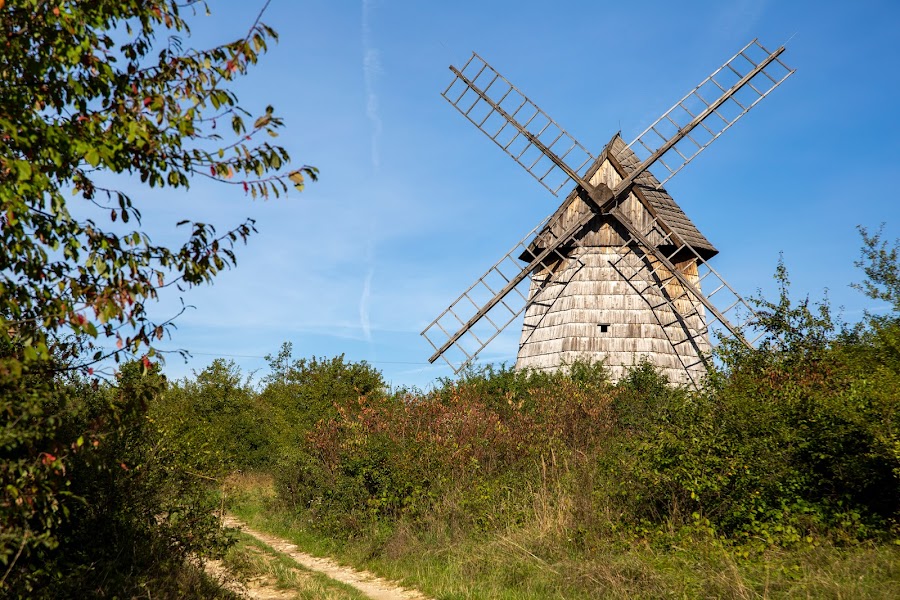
(367, 583)
(257, 588)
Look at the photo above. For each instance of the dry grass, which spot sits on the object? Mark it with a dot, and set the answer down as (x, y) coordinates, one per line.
(539, 557)
(263, 573)
(256, 484)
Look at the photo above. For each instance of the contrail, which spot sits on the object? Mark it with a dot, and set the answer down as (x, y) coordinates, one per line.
(371, 69)
(364, 322)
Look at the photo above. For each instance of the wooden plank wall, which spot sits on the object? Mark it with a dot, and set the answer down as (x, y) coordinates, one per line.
(571, 301)
(564, 321)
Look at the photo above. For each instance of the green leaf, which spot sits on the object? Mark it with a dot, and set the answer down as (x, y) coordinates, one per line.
(92, 156)
(24, 170)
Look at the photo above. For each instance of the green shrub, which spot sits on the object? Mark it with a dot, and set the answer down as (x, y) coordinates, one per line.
(788, 442)
(221, 419)
(128, 506)
(467, 448)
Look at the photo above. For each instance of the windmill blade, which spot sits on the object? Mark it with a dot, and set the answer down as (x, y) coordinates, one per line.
(516, 124)
(496, 298)
(728, 305)
(542, 147)
(707, 111)
(728, 301)
(681, 302)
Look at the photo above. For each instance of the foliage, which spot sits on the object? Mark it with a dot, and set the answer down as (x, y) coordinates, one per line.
(793, 444)
(83, 95)
(219, 419)
(395, 456)
(121, 509)
(789, 442)
(309, 390)
(880, 261)
(97, 98)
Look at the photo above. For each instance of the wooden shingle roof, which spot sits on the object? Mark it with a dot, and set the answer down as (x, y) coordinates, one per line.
(657, 202)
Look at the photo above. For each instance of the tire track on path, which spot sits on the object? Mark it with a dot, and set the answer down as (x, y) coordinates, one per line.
(371, 585)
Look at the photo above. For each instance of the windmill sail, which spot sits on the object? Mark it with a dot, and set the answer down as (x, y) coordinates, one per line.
(496, 298)
(713, 106)
(542, 147)
(515, 123)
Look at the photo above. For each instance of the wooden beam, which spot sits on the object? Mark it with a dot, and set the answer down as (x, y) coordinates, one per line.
(638, 236)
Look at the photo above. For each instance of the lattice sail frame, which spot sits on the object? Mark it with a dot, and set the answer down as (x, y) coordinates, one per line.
(683, 305)
(496, 298)
(541, 147)
(517, 108)
(722, 115)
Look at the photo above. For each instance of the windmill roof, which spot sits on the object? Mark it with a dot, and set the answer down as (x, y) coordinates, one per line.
(648, 186)
(648, 191)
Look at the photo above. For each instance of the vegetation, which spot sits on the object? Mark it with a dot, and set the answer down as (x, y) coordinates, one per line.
(780, 477)
(95, 496)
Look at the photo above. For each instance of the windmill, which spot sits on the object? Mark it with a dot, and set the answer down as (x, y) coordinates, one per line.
(616, 272)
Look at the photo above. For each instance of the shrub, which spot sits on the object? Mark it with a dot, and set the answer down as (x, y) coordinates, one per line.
(221, 419)
(128, 507)
(385, 458)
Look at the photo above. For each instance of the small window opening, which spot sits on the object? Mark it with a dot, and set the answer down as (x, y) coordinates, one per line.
(604, 327)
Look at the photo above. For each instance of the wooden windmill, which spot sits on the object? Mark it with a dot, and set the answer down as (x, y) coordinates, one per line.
(616, 271)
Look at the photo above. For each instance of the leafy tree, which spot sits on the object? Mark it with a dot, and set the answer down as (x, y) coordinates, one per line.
(144, 507)
(85, 91)
(310, 390)
(218, 416)
(94, 95)
(880, 261)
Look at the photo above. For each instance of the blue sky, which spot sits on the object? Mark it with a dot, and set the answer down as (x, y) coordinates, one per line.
(414, 203)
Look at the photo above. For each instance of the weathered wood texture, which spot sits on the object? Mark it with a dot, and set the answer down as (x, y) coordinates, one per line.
(641, 205)
(565, 318)
(581, 307)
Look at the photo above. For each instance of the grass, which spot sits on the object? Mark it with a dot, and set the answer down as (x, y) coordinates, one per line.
(256, 565)
(535, 560)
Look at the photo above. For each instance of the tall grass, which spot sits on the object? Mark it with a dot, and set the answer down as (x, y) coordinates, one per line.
(780, 477)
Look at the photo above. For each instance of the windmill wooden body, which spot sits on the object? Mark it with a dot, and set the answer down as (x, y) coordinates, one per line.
(597, 301)
(616, 271)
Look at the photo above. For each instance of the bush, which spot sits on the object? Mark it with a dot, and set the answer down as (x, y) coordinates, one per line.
(792, 441)
(220, 419)
(385, 458)
(129, 507)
